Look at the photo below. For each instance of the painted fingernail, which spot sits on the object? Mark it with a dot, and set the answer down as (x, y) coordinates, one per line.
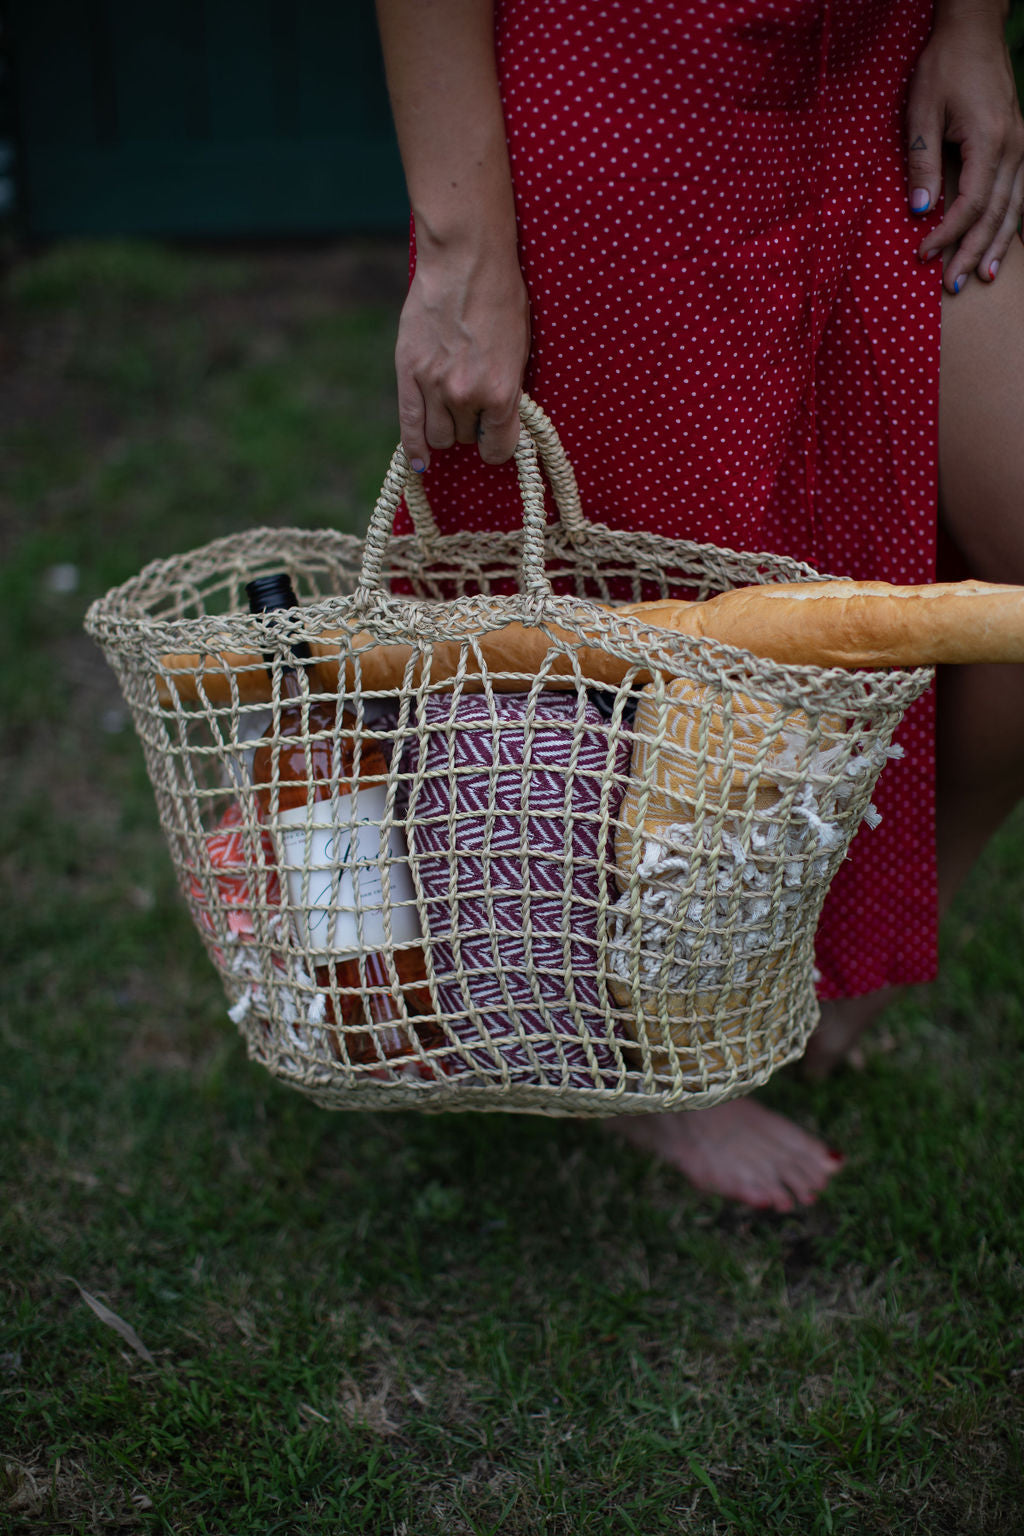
(920, 202)
(928, 255)
(993, 269)
(959, 283)
(418, 465)
(836, 1156)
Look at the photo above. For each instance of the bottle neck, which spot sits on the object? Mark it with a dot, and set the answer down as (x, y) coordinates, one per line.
(291, 683)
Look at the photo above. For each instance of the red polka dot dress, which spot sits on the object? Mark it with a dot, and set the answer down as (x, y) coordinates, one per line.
(732, 331)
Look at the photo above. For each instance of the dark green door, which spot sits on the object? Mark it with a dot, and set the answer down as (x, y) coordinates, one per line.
(203, 117)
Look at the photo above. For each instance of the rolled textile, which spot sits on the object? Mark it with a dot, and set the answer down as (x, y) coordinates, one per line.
(509, 799)
(724, 848)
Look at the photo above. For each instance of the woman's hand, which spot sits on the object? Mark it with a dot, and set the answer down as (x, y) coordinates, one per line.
(463, 342)
(963, 93)
(464, 335)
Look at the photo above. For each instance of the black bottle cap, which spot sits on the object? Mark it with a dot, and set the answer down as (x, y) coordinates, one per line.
(269, 592)
(272, 594)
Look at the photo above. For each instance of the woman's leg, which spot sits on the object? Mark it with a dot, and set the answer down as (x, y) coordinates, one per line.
(740, 1149)
(980, 718)
(981, 502)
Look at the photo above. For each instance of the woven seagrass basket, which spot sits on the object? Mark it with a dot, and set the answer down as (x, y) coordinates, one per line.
(609, 864)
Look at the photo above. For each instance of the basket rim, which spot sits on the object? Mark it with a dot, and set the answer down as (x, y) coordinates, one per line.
(122, 599)
(118, 623)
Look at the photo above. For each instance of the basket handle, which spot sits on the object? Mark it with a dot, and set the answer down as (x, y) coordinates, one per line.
(423, 520)
(537, 437)
(557, 466)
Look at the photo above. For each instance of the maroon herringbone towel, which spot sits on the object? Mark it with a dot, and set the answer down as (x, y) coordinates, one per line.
(520, 917)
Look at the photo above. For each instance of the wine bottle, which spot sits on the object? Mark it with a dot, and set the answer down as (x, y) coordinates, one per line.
(322, 793)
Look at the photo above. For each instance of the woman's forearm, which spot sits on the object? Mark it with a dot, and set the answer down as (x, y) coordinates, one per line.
(443, 83)
(464, 335)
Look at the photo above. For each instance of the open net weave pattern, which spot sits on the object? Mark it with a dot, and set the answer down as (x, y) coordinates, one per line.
(614, 889)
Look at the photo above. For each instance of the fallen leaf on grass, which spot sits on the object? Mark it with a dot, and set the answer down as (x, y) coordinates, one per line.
(126, 1331)
(20, 1489)
(244, 1323)
(83, 1176)
(367, 1410)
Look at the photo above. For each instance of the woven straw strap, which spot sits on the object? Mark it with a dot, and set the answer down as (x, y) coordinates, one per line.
(538, 439)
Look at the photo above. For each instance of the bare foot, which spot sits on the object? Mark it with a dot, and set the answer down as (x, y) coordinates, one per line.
(837, 1037)
(738, 1149)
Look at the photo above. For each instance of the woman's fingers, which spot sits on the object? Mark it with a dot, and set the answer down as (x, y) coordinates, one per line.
(924, 153)
(464, 404)
(463, 343)
(498, 433)
(441, 427)
(988, 266)
(427, 421)
(963, 92)
(412, 421)
(980, 163)
(473, 416)
(985, 226)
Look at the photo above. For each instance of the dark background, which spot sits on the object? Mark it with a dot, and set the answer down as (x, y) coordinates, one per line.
(203, 118)
(195, 118)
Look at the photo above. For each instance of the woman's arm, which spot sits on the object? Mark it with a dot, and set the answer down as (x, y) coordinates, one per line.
(963, 92)
(464, 334)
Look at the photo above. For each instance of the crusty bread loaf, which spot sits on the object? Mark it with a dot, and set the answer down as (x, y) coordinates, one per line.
(855, 624)
(513, 649)
(817, 623)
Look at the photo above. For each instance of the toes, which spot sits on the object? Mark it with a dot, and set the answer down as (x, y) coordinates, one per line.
(805, 1190)
(782, 1203)
(756, 1192)
(807, 1182)
(739, 1150)
(800, 1163)
(758, 1182)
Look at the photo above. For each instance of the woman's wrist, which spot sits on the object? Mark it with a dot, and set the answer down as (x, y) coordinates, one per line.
(466, 244)
(465, 205)
(476, 216)
(477, 228)
(979, 15)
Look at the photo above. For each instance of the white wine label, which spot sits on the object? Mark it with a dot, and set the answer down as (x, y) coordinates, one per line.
(331, 854)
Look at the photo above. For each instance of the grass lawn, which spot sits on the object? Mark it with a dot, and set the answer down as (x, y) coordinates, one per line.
(390, 1324)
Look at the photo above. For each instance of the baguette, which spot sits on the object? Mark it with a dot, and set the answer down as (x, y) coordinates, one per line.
(513, 649)
(855, 624)
(862, 624)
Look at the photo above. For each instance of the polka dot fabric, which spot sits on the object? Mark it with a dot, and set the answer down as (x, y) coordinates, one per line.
(732, 331)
